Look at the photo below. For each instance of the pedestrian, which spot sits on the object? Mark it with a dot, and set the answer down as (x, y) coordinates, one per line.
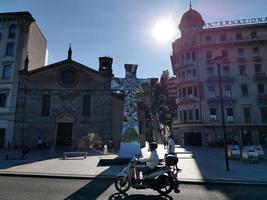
(24, 150)
(39, 142)
(110, 145)
(171, 145)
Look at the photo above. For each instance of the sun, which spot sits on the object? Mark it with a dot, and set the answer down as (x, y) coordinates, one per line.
(164, 30)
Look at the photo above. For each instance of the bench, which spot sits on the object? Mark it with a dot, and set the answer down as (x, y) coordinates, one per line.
(75, 154)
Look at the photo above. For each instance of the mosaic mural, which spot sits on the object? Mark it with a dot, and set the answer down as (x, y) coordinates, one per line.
(131, 87)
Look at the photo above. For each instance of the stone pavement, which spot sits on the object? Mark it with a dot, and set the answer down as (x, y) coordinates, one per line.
(198, 164)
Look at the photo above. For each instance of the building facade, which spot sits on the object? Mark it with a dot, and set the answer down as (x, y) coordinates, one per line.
(20, 38)
(63, 102)
(240, 51)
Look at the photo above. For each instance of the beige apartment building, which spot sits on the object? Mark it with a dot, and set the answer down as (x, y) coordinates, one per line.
(242, 48)
(21, 41)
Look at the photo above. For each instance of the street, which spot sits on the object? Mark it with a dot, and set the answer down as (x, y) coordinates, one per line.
(25, 188)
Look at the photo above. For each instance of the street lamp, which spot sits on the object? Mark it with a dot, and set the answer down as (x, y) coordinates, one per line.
(218, 61)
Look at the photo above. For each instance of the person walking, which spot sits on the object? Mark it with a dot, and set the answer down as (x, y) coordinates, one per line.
(171, 145)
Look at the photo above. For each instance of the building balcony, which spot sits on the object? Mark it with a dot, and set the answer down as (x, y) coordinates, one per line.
(260, 76)
(257, 58)
(189, 81)
(241, 59)
(185, 100)
(210, 61)
(215, 100)
(262, 98)
(224, 78)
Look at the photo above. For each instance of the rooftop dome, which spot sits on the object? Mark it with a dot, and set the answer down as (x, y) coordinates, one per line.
(191, 19)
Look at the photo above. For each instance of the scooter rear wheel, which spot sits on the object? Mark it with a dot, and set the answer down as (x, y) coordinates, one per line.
(122, 184)
(165, 184)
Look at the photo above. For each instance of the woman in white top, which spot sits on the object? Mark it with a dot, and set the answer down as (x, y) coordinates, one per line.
(171, 145)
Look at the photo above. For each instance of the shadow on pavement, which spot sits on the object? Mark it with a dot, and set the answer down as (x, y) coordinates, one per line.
(118, 196)
(93, 189)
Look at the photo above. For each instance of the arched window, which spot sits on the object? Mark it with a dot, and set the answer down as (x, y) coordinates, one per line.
(12, 31)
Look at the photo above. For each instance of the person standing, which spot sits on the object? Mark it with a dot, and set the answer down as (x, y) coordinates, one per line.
(171, 145)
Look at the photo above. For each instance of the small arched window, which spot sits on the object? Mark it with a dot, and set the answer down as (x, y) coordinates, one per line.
(12, 31)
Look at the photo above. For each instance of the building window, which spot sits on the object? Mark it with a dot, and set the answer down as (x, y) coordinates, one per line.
(258, 68)
(193, 55)
(12, 31)
(184, 92)
(195, 91)
(226, 71)
(224, 53)
(183, 75)
(242, 70)
(188, 56)
(227, 91)
(239, 36)
(209, 55)
(244, 90)
(194, 73)
(188, 74)
(213, 116)
(190, 92)
(256, 51)
(210, 71)
(264, 114)
(197, 114)
(208, 38)
(230, 114)
(185, 115)
(6, 71)
(260, 88)
(46, 100)
(86, 105)
(246, 111)
(182, 58)
(240, 52)
(211, 91)
(190, 114)
(3, 99)
(223, 37)
(10, 49)
(254, 35)
(181, 115)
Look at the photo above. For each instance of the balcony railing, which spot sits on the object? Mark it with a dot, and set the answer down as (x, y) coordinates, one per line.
(262, 98)
(216, 99)
(241, 59)
(260, 76)
(257, 58)
(223, 78)
(186, 100)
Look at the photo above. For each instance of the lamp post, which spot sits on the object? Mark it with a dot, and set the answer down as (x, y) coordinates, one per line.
(218, 60)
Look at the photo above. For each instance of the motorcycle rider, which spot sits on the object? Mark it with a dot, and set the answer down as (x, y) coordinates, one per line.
(149, 163)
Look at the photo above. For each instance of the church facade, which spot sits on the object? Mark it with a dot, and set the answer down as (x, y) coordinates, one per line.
(64, 101)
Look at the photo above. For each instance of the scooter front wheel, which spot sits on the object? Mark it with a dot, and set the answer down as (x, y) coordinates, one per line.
(122, 184)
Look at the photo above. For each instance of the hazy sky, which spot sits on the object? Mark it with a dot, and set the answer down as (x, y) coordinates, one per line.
(121, 29)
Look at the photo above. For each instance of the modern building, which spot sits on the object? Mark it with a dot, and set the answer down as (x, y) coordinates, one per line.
(20, 41)
(239, 48)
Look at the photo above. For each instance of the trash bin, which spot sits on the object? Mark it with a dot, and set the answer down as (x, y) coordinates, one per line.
(260, 151)
(249, 154)
(233, 152)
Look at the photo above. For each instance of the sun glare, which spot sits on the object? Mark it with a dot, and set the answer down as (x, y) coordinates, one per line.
(164, 30)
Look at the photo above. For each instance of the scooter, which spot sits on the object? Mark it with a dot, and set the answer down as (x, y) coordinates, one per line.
(162, 178)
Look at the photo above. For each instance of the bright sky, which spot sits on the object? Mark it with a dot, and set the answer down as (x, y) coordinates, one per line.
(122, 29)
